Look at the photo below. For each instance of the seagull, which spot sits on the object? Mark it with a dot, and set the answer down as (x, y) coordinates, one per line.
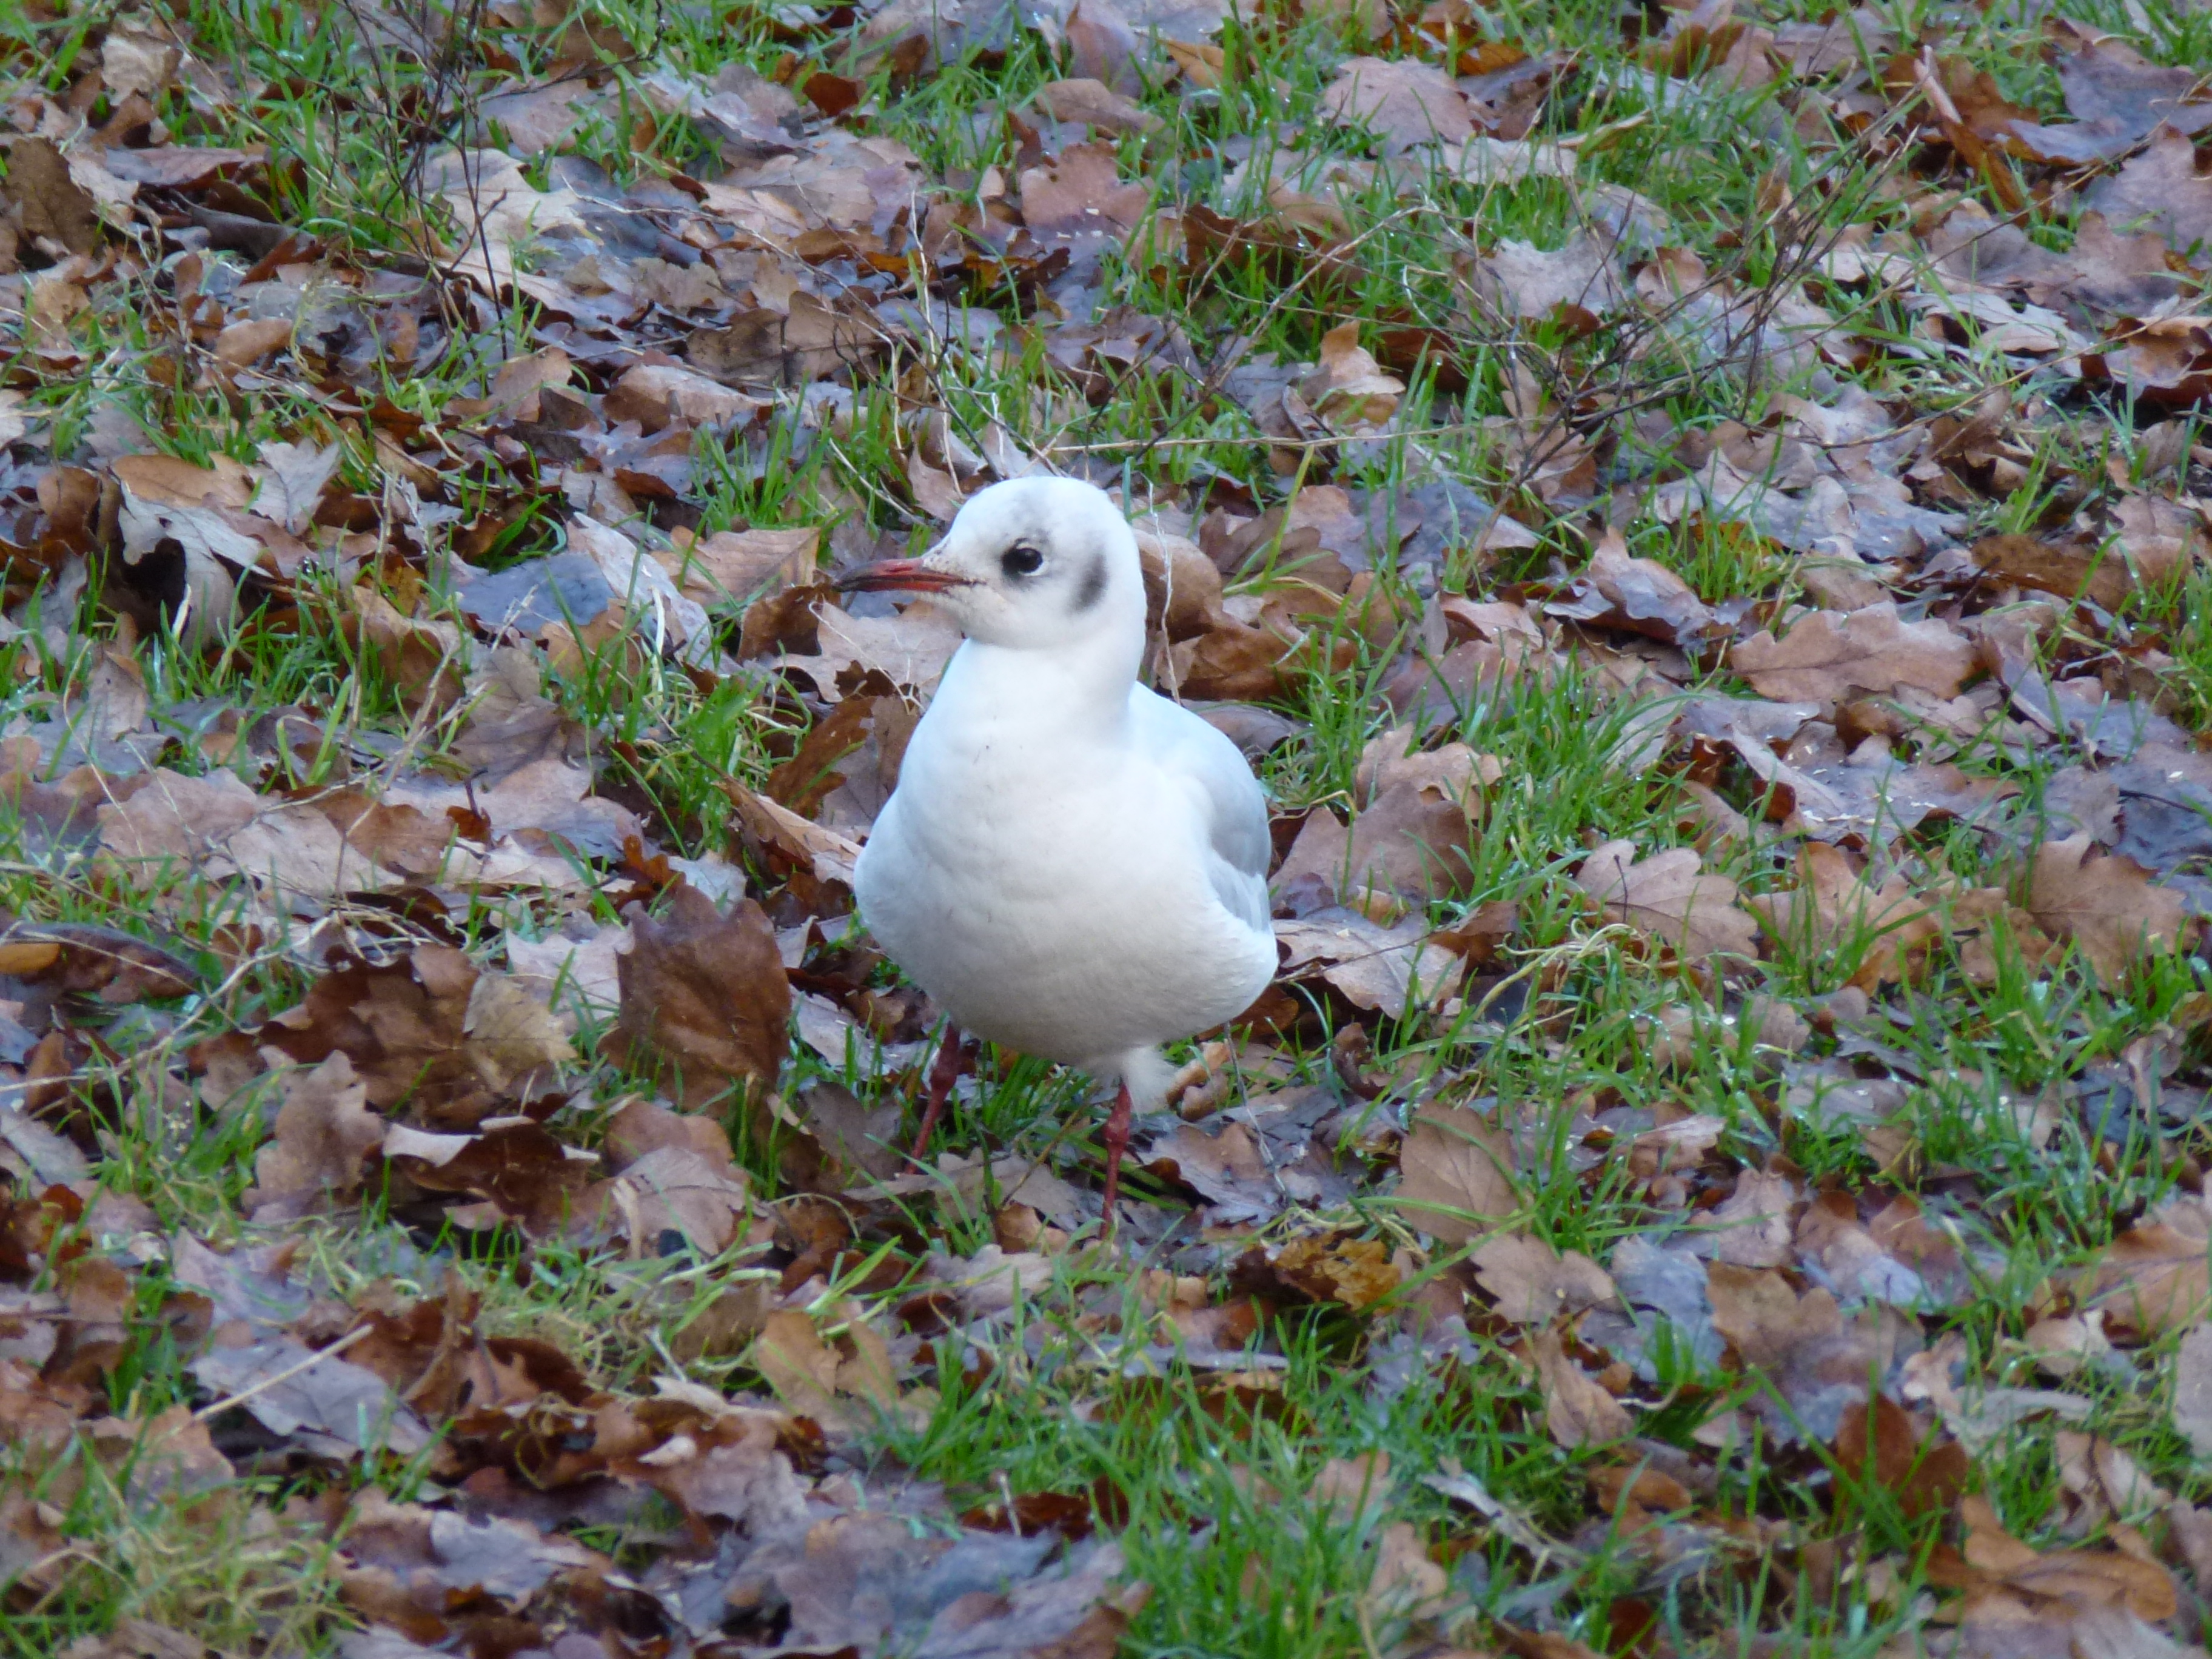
(1072, 865)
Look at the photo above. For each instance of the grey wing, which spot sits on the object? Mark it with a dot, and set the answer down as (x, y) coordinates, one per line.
(1233, 805)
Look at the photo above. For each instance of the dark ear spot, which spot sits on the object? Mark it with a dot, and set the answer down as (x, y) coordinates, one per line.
(1093, 588)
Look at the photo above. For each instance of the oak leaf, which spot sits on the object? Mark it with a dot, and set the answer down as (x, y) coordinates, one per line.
(326, 1134)
(1404, 101)
(1667, 898)
(706, 993)
(1577, 1411)
(1454, 1173)
(1829, 653)
(1532, 1283)
(1834, 908)
(2104, 902)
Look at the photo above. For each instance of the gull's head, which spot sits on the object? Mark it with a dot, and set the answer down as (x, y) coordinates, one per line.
(1032, 563)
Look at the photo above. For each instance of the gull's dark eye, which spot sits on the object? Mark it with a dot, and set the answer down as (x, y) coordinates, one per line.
(1021, 561)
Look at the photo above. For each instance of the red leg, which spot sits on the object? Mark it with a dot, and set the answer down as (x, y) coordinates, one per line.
(944, 1073)
(1117, 1143)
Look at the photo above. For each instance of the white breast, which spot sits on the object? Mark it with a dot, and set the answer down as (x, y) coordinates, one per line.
(1046, 879)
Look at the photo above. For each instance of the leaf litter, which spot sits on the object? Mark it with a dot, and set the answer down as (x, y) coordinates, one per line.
(1727, 655)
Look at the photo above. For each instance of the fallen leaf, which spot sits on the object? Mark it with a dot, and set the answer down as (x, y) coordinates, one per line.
(1834, 910)
(2104, 903)
(1091, 103)
(1878, 1444)
(705, 992)
(1577, 1411)
(2192, 1390)
(326, 1134)
(1830, 654)
(1453, 1174)
(430, 1029)
(2153, 1278)
(1533, 1284)
(1666, 898)
(1402, 100)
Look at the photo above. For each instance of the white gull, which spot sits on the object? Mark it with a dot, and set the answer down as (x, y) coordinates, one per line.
(1072, 865)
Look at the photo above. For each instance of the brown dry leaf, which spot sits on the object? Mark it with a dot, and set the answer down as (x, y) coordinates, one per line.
(2160, 190)
(1452, 1161)
(1816, 1358)
(1376, 967)
(82, 959)
(658, 395)
(419, 660)
(1079, 198)
(673, 1173)
(1834, 908)
(52, 203)
(1093, 104)
(326, 1134)
(1639, 596)
(1881, 1445)
(1830, 653)
(1403, 100)
(1984, 925)
(2110, 1484)
(2153, 1278)
(2193, 1390)
(1203, 64)
(1665, 897)
(513, 1034)
(1356, 1272)
(737, 564)
(1533, 1284)
(430, 1029)
(2069, 571)
(1753, 1227)
(1349, 390)
(1405, 1579)
(706, 993)
(2104, 902)
(1522, 280)
(2082, 1579)
(332, 1401)
(1577, 1411)
(1231, 662)
(812, 1377)
(792, 842)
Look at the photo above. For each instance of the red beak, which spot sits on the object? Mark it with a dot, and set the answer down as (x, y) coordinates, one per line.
(894, 574)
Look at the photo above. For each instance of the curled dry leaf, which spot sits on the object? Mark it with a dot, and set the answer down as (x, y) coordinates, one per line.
(1577, 1411)
(1639, 596)
(1665, 897)
(1382, 968)
(1994, 1562)
(673, 1174)
(705, 992)
(431, 1029)
(81, 958)
(325, 1135)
